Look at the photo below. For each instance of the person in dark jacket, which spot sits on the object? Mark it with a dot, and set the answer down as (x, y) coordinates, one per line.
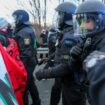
(43, 35)
(72, 82)
(25, 37)
(51, 39)
(91, 52)
(56, 88)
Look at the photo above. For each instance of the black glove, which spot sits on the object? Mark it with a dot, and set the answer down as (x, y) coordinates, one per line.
(76, 51)
(39, 75)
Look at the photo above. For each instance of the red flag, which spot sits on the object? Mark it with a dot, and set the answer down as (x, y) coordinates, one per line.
(18, 75)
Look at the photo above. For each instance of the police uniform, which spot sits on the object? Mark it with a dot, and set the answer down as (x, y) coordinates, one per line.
(56, 88)
(72, 90)
(92, 59)
(25, 37)
(94, 65)
(51, 39)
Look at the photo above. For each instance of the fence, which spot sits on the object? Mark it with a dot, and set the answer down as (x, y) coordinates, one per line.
(42, 53)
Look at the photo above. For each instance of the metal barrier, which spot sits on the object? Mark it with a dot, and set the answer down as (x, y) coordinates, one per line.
(42, 53)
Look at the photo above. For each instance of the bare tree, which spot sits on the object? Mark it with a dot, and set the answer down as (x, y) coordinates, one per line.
(45, 13)
(80, 1)
(83, 0)
(34, 8)
(103, 1)
(38, 9)
(61, 1)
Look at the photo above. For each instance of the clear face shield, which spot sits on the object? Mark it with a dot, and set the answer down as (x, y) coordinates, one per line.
(17, 19)
(57, 19)
(84, 24)
(13, 22)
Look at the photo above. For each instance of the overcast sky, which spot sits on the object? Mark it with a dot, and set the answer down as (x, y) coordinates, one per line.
(8, 6)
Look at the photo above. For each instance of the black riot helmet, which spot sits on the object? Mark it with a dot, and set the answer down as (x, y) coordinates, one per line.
(64, 14)
(89, 18)
(20, 17)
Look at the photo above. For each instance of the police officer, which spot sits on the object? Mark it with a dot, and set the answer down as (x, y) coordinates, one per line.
(26, 39)
(56, 88)
(43, 35)
(72, 91)
(91, 25)
(51, 39)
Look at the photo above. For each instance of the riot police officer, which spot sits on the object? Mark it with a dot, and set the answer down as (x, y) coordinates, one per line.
(56, 88)
(51, 39)
(26, 39)
(72, 91)
(90, 22)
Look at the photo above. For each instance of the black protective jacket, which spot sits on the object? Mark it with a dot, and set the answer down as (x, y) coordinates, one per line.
(71, 76)
(62, 56)
(25, 37)
(95, 70)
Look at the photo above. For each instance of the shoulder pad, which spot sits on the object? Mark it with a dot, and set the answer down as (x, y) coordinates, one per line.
(27, 40)
(93, 59)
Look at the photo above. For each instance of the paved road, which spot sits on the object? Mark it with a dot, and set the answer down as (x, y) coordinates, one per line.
(44, 88)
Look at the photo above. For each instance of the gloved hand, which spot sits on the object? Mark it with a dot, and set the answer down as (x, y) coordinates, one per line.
(76, 51)
(39, 74)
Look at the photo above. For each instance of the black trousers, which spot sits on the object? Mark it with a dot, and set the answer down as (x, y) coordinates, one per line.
(73, 95)
(32, 89)
(56, 92)
(31, 86)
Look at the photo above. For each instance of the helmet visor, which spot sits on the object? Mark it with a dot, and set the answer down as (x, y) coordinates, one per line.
(14, 18)
(84, 24)
(57, 19)
(17, 19)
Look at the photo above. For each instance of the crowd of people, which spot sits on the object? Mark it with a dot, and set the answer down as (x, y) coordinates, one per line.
(76, 55)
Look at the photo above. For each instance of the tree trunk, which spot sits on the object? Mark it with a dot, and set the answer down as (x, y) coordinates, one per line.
(45, 5)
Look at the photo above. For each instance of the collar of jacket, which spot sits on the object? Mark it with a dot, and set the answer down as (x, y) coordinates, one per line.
(19, 27)
(99, 36)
